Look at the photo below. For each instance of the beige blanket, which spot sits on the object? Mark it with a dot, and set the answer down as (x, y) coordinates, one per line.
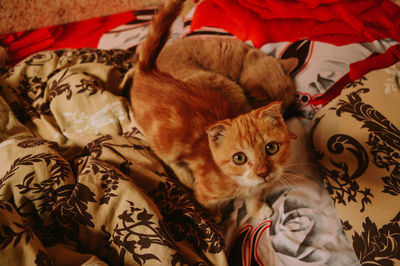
(77, 182)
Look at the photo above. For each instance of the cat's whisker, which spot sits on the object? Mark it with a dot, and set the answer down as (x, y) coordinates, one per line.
(286, 180)
(292, 178)
(286, 184)
(303, 173)
(290, 165)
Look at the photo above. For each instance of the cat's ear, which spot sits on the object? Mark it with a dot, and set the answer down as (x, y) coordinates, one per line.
(273, 110)
(216, 131)
(289, 64)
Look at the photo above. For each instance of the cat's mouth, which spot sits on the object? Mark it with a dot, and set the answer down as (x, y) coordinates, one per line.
(247, 180)
(275, 175)
(250, 179)
(271, 177)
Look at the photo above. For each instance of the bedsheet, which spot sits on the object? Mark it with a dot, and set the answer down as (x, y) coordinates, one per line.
(80, 185)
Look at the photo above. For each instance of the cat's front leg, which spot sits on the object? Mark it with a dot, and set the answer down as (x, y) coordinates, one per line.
(257, 208)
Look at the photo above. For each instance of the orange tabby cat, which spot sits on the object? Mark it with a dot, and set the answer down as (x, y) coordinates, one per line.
(245, 76)
(193, 129)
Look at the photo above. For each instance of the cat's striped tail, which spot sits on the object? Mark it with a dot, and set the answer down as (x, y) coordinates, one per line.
(158, 34)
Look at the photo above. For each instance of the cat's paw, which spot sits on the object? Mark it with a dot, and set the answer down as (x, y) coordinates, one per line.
(258, 209)
(264, 212)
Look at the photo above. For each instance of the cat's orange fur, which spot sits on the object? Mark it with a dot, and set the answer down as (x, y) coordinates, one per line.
(245, 76)
(193, 130)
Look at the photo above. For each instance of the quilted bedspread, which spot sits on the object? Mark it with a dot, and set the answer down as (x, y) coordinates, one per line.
(79, 185)
(76, 176)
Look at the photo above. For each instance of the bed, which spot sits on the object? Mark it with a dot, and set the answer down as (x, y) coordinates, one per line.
(80, 185)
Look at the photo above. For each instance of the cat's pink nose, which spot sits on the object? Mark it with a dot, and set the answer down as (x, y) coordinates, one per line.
(263, 174)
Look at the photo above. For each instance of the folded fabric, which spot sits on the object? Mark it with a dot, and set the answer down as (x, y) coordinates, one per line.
(335, 22)
(336, 42)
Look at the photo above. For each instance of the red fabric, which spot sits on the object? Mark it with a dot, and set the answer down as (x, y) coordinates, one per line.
(338, 22)
(358, 70)
(73, 35)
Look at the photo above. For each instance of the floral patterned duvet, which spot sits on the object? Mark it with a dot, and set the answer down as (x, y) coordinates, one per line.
(80, 185)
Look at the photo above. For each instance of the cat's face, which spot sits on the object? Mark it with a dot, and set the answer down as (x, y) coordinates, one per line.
(252, 148)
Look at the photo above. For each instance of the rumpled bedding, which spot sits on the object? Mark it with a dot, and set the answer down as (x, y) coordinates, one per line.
(80, 185)
(78, 178)
(336, 41)
(356, 139)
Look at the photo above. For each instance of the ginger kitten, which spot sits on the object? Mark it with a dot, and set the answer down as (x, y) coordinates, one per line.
(194, 130)
(245, 76)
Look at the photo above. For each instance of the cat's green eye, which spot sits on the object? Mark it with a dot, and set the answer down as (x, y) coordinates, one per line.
(272, 148)
(239, 158)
